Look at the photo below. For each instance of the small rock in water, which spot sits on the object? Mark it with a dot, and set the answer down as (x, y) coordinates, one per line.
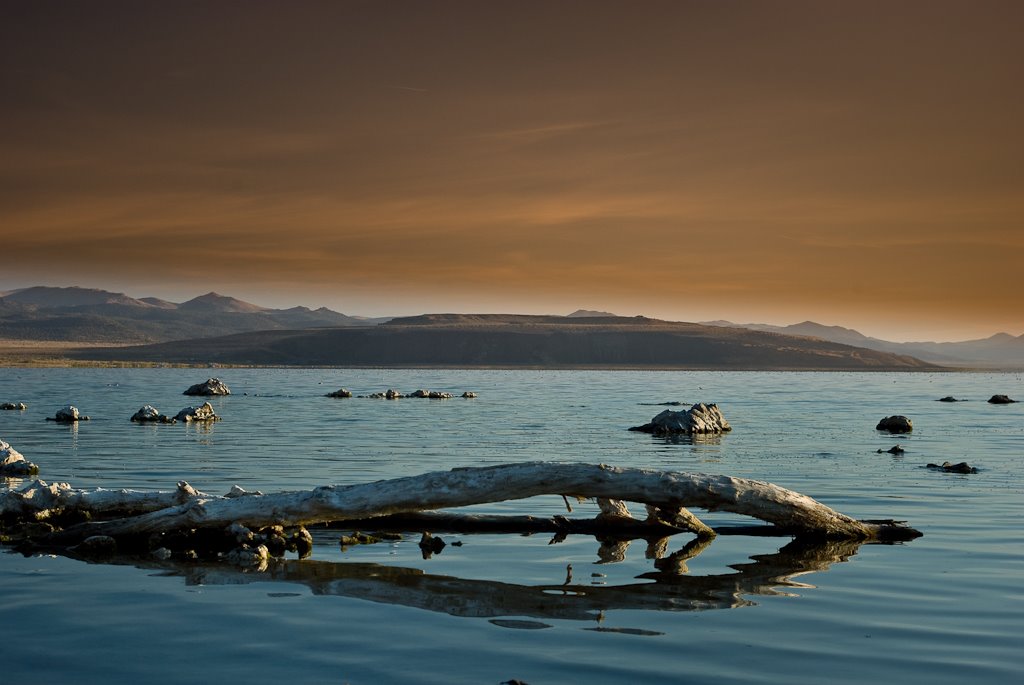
(895, 449)
(699, 419)
(431, 545)
(895, 424)
(14, 406)
(211, 386)
(341, 392)
(1000, 399)
(96, 546)
(469, 395)
(962, 467)
(203, 413)
(67, 414)
(149, 414)
(948, 398)
(13, 464)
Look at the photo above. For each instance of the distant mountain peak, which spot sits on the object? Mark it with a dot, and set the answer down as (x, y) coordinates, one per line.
(44, 296)
(591, 314)
(212, 301)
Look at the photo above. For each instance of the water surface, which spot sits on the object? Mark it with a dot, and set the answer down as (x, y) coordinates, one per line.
(945, 608)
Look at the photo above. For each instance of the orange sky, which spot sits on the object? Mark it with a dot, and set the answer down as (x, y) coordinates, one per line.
(854, 163)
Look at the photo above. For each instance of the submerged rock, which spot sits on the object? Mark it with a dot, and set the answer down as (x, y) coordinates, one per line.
(962, 467)
(342, 392)
(96, 547)
(895, 449)
(211, 386)
(948, 398)
(699, 419)
(249, 557)
(13, 464)
(895, 424)
(150, 414)
(469, 395)
(14, 406)
(68, 414)
(431, 545)
(202, 413)
(1000, 399)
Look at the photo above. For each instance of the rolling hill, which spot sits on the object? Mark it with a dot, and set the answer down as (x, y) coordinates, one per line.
(511, 341)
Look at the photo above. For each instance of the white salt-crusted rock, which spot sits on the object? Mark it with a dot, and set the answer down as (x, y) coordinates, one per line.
(12, 463)
(699, 419)
(211, 386)
(201, 413)
(150, 414)
(67, 414)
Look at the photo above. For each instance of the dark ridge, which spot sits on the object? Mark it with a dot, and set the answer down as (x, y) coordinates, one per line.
(518, 342)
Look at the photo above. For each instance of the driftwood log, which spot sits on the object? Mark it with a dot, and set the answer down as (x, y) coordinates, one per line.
(666, 495)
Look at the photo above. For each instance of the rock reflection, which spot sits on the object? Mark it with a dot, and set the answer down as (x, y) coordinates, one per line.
(666, 588)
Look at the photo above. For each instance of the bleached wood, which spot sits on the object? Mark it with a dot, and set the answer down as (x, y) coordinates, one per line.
(39, 500)
(467, 486)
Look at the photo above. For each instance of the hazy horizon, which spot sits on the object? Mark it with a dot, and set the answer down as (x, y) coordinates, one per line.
(853, 164)
(273, 303)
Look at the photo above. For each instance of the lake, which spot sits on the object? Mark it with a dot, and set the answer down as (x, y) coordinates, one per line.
(945, 608)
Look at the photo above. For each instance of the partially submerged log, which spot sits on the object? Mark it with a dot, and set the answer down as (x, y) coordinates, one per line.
(666, 492)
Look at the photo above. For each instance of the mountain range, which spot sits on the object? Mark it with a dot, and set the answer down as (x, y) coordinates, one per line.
(89, 315)
(86, 315)
(1001, 350)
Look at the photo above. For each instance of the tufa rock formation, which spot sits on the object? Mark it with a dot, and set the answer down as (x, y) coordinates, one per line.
(12, 464)
(211, 386)
(895, 424)
(193, 414)
(68, 414)
(150, 414)
(699, 419)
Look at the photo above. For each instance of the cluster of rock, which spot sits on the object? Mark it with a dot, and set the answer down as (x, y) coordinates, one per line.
(150, 414)
(13, 464)
(14, 406)
(209, 387)
(995, 399)
(68, 414)
(895, 424)
(392, 394)
(699, 419)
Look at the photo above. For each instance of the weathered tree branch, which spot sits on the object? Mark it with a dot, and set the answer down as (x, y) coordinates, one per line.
(665, 491)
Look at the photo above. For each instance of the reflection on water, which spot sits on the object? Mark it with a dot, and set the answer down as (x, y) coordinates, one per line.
(668, 587)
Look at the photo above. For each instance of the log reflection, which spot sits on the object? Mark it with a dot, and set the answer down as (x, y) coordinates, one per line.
(666, 588)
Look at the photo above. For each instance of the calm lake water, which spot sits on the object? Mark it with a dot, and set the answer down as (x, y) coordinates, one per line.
(945, 608)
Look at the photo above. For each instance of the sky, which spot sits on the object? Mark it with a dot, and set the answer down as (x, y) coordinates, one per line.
(853, 163)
